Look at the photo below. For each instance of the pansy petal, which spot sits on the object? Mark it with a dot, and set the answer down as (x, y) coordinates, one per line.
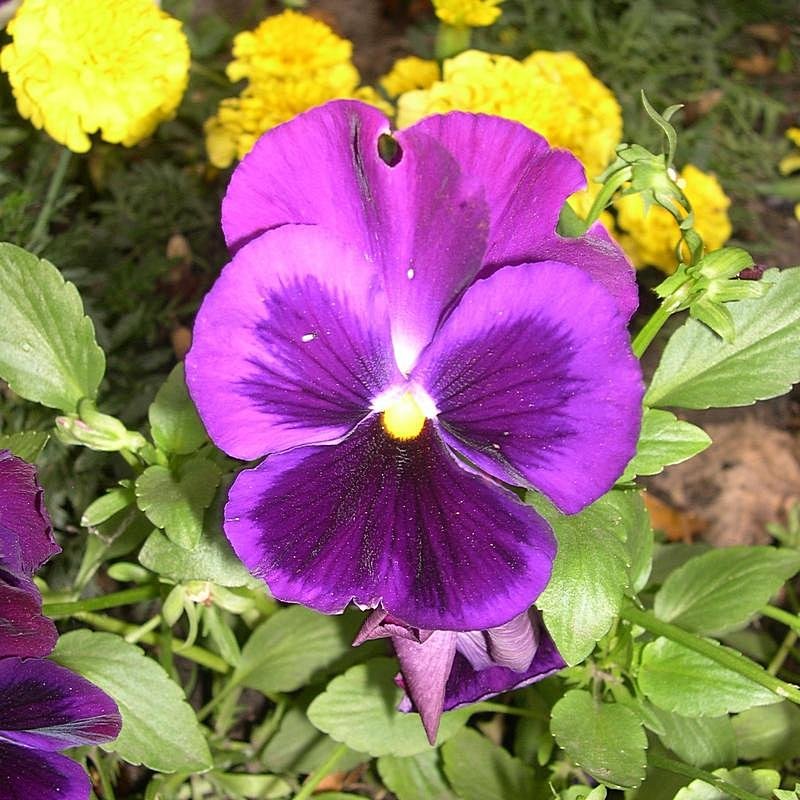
(23, 629)
(421, 220)
(425, 668)
(27, 774)
(535, 382)
(467, 685)
(46, 706)
(526, 184)
(514, 644)
(291, 344)
(373, 519)
(26, 534)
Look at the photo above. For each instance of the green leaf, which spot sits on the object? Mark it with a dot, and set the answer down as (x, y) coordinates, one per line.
(48, 353)
(722, 589)
(678, 679)
(25, 444)
(480, 770)
(212, 559)
(761, 782)
(298, 747)
(367, 693)
(415, 777)
(159, 728)
(699, 370)
(590, 574)
(176, 501)
(291, 647)
(173, 418)
(702, 742)
(768, 732)
(605, 739)
(105, 507)
(249, 785)
(664, 440)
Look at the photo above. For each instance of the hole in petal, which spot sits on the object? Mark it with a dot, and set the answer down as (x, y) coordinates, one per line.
(389, 150)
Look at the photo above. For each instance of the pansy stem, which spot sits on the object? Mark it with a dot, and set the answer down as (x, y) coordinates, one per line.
(653, 325)
(42, 221)
(324, 769)
(516, 711)
(780, 615)
(723, 656)
(610, 188)
(197, 654)
(679, 768)
(126, 597)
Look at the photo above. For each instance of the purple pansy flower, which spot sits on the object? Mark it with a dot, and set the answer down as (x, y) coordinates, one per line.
(400, 336)
(44, 707)
(442, 670)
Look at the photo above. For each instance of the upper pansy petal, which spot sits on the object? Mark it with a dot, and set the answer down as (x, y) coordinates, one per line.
(291, 345)
(419, 217)
(26, 534)
(378, 520)
(46, 706)
(535, 382)
(24, 631)
(27, 774)
(467, 685)
(526, 184)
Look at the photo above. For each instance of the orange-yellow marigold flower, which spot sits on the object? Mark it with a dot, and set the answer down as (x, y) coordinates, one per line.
(76, 67)
(408, 74)
(467, 13)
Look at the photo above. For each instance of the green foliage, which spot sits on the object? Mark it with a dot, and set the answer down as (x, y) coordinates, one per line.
(48, 352)
(421, 775)
(367, 692)
(721, 590)
(761, 782)
(768, 732)
(605, 739)
(699, 370)
(174, 423)
(26, 444)
(700, 741)
(159, 728)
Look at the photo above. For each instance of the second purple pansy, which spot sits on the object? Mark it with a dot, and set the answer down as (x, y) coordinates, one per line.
(399, 336)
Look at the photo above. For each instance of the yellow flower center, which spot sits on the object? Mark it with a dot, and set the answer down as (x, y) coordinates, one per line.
(403, 419)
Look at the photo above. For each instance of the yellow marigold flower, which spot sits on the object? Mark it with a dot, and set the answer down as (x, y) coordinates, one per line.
(650, 238)
(409, 73)
(555, 94)
(288, 45)
(791, 163)
(467, 13)
(81, 66)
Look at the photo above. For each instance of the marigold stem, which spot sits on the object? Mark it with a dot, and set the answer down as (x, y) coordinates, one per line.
(679, 768)
(725, 657)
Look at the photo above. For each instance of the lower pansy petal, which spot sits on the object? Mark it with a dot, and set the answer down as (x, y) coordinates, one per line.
(48, 707)
(27, 774)
(373, 520)
(291, 344)
(23, 629)
(535, 382)
(467, 685)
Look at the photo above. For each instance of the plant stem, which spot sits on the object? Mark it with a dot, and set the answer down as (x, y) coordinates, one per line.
(783, 653)
(646, 335)
(197, 654)
(143, 630)
(321, 772)
(516, 711)
(56, 180)
(126, 597)
(780, 615)
(679, 768)
(725, 657)
(105, 780)
(604, 197)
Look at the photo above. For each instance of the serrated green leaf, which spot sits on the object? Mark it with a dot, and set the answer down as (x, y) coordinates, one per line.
(605, 739)
(480, 770)
(702, 742)
(174, 422)
(25, 444)
(48, 353)
(760, 782)
(590, 575)
(679, 680)
(721, 590)
(768, 732)
(699, 370)
(415, 777)
(293, 645)
(367, 693)
(176, 501)
(664, 440)
(159, 728)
